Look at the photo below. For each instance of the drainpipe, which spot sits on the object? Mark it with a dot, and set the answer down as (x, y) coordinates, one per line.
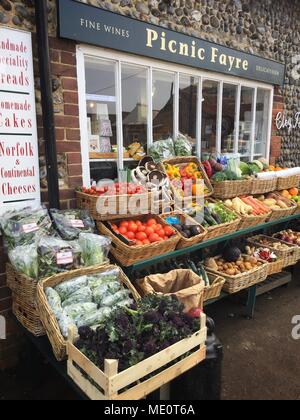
(41, 16)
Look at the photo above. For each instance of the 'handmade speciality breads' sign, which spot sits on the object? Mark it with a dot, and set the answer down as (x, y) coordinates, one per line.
(19, 168)
(95, 26)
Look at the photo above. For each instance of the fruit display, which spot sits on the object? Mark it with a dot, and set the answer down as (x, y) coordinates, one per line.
(233, 262)
(118, 188)
(139, 233)
(184, 178)
(275, 201)
(289, 236)
(247, 206)
(291, 194)
(186, 230)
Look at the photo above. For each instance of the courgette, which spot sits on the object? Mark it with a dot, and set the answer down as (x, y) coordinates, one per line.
(204, 275)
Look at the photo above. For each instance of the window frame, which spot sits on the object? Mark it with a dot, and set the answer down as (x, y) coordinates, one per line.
(83, 51)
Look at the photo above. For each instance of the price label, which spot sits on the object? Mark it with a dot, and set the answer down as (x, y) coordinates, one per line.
(63, 258)
(32, 227)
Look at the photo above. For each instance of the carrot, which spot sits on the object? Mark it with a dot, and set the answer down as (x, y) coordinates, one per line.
(256, 209)
(260, 205)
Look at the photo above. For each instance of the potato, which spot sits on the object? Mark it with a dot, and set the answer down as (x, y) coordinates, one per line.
(248, 266)
(230, 272)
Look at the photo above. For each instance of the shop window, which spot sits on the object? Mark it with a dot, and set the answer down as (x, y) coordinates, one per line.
(188, 97)
(210, 91)
(246, 123)
(261, 123)
(228, 118)
(163, 104)
(134, 105)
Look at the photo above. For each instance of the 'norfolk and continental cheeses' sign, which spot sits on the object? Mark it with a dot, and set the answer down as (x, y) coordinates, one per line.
(19, 166)
(95, 26)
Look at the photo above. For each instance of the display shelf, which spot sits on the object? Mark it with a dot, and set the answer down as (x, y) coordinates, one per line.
(206, 244)
(111, 160)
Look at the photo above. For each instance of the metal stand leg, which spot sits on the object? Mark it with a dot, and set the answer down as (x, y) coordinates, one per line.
(251, 302)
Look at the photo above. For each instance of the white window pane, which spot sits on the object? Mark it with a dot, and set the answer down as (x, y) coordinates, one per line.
(228, 118)
(134, 105)
(163, 104)
(188, 92)
(209, 117)
(246, 122)
(261, 125)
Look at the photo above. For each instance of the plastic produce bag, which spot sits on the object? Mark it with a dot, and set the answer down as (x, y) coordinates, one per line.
(66, 289)
(25, 260)
(95, 318)
(23, 227)
(114, 299)
(55, 256)
(162, 149)
(182, 146)
(80, 296)
(54, 301)
(95, 248)
(70, 223)
(64, 323)
(79, 310)
(97, 280)
(125, 303)
(105, 290)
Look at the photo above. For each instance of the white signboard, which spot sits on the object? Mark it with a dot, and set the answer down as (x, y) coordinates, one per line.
(19, 165)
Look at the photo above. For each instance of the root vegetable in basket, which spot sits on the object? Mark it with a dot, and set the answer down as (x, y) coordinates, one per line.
(233, 268)
(289, 236)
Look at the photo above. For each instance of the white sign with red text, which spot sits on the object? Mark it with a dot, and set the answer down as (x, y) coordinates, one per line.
(19, 161)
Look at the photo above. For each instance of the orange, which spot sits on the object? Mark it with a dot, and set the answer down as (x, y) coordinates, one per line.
(294, 191)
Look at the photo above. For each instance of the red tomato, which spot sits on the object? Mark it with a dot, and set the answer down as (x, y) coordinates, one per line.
(141, 236)
(151, 222)
(158, 227)
(130, 235)
(124, 224)
(149, 231)
(146, 242)
(139, 243)
(161, 233)
(153, 238)
(166, 238)
(123, 230)
(168, 231)
(132, 227)
(141, 228)
(139, 223)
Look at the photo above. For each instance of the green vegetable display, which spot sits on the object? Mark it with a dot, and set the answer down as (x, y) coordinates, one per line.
(94, 248)
(26, 226)
(162, 149)
(182, 146)
(55, 256)
(25, 260)
(70, 223)
(133, 334)
(216, 214)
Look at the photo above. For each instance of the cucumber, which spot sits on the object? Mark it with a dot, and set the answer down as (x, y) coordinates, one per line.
(204, 275)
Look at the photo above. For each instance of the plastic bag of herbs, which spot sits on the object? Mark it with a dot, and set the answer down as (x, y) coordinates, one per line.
(70, 223)
(25, 260)
(95, 248)
(182, 146)
(57, 256)
(24, 227)
(162, 149)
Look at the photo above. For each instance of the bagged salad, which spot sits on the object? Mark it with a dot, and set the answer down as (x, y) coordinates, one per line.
(25, 260)
(70, 223)
(55, 256)
(182, 146)
(162, 149)
(26, 226)
(95, 248)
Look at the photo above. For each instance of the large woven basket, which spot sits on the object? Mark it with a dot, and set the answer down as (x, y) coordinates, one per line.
(128, 255)
(224, 228)
(49, 320)
(285, 183)
(120, 204)
(25, 287)
(282, 213)
(297, 250)
(289, 256)
(262, 186)
(185, 219)
(275, 267)
(231, 189)
(243, 281)
(250, 221)
(28, 316)
(216, 285)
(182, 161)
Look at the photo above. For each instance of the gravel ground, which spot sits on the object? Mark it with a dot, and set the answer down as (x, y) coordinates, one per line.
(262, 361)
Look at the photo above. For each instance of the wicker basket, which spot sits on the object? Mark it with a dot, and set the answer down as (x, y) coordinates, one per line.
(128, 255)
(250, 221)
(262, 186)
(120, 204)
(185, 219)
(275, 267)
(224, 228)
(243, 281)
(231, 189)
(182, 161)
(297, 250)
(297, 211)
(28, 316)
(282, 213)
(285, 183)
(47, 317)
(25, 287)
(216, 285)
(289, 256)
